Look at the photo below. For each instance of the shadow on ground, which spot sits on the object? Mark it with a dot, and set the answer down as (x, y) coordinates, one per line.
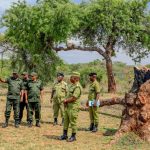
(110, 115)
(109, 132)
(54, 137)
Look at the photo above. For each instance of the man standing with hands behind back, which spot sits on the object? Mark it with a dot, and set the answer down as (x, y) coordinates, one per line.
(93, 101)
(59, 92)
(24, 102)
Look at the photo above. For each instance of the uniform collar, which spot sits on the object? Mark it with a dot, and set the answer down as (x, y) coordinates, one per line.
(15, 78)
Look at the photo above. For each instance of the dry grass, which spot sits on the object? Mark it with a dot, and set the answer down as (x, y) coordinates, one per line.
(46, 137)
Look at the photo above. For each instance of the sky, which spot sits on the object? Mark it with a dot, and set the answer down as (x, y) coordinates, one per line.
(75, 56)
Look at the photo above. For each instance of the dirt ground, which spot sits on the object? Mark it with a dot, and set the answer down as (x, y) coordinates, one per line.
(46, 137)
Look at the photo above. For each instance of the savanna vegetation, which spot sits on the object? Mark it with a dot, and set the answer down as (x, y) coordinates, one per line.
(35, 33)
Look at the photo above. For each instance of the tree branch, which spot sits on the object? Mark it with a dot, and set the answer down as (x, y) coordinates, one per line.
(113, 101)
(84, 48)
(106, 102)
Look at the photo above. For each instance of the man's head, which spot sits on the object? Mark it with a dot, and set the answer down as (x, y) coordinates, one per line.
(92, 76)
(60, 76)
(33, 76)
(15, 74)
(75, 77)
(24, 75)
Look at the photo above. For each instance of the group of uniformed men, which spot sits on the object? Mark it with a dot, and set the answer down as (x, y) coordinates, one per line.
(27, 92)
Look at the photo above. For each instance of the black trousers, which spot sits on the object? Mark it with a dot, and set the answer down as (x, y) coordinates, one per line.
(22, 106)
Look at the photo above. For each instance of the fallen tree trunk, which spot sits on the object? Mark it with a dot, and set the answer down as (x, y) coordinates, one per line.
(113, 101)
(136, 112)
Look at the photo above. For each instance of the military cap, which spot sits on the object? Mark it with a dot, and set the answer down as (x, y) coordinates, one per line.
(77, 74)
(60, 74)
(15, 71)
(33, 74)
(24, 73)
(92, 74)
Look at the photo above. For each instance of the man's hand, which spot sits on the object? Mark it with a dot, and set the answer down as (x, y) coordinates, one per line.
(95, 103)
(87, 103)
(65, 103)
(21, 100)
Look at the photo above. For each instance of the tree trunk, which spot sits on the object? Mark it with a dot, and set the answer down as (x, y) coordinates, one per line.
(136, 115)
(110, 76)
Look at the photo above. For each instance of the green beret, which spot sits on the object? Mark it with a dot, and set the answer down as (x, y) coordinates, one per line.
(60, 74)
(33, 74)
(92, 74)
(77, 74)
(24, 73)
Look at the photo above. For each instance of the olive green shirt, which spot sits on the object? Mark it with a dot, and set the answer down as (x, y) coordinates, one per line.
(94, 89)
(14, 88)
(34, 89)
(75, 91)
(60, 90)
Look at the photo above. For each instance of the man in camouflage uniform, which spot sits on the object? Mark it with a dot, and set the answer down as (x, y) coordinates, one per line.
(34, 94)
(93, 98)
(72, 107)
(13, 98)
(59, 92)
(24, 102)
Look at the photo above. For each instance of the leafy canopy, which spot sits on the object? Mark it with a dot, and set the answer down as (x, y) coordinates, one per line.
(34, 30)
(120, 23)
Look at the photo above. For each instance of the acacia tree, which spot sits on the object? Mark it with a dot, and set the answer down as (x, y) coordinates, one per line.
(33, 30)
(101, 25)
(108, 25)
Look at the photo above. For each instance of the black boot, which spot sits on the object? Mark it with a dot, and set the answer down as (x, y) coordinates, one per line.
(5, 125)
(19, 122)
(64, 136)
(30, 124)
(38, 124)
(95, 128)
(62, 123)
(91, 127)
(55, 121)
(16, 124)
(72, 138)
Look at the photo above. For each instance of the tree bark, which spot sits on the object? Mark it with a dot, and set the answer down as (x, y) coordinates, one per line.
(110, 76)
(136, 114)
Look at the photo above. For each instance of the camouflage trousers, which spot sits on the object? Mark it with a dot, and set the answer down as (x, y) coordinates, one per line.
(15, 104)
(22, 106)
(34, 107)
